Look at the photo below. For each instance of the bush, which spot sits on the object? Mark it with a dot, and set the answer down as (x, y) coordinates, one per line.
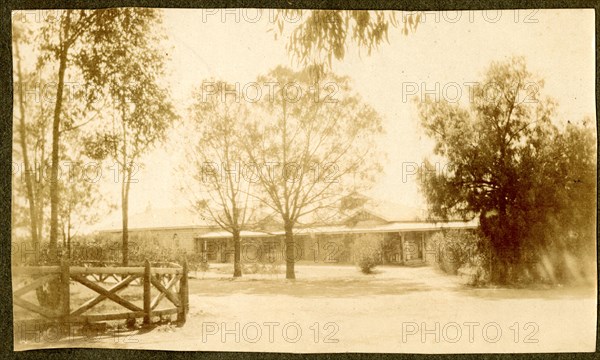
(98, 249)
(367, 262)
(197, 262)
(367, 252)
(476, 271)
(463, 252)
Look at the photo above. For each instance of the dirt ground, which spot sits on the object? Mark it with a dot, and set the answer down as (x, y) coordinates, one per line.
(331, 308)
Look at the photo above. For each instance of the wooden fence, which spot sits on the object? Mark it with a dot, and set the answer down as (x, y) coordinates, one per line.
(171, 283)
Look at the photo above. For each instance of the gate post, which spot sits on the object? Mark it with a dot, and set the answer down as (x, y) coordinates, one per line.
(147, 294)
(183, 294)
(65, 280)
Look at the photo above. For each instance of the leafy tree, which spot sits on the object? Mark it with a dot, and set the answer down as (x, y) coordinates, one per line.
(21, 35)
(504, 165)
(217, 157)
(33, 109)
(310, 144)
(558, 208)
(72, 41)
(141, 108)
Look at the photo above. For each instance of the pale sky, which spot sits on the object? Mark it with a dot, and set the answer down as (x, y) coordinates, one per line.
(448, 48)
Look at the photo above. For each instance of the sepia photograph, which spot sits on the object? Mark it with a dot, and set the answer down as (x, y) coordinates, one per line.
(304, 180)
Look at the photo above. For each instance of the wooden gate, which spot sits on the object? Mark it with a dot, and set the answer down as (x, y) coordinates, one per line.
(168, 282)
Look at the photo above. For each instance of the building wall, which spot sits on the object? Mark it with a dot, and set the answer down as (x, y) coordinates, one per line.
(416, 247)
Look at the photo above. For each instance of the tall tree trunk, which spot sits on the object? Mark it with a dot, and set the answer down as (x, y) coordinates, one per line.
(125, 181)
(290, 254)
(26, 163)
(64, 236)
(502, 248)
(39, 191)
(237, 247)
(125, 216)
(54, 188)
(69, 237)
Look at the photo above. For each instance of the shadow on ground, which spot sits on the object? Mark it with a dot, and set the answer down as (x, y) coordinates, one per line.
(534, 292)
(305, 288)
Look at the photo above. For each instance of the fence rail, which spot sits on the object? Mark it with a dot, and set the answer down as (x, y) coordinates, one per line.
(170, 282)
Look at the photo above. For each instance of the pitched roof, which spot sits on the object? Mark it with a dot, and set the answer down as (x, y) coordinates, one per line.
(391, 212)
(177, 217)
(386, 210)
(183, 217)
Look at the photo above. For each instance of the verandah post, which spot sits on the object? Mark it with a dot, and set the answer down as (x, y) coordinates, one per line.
(183, 294)
(147, 294)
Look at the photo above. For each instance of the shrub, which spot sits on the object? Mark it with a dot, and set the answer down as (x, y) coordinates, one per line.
(197, 262)
(367, 252)
(476, 271)
(463, 252)
(367, 257)
(367, 262)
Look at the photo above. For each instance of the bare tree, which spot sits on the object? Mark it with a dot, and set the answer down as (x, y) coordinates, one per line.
(310, 146)
(220, 188)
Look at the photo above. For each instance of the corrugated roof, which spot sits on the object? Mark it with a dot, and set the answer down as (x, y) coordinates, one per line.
(343, 229)
(391, 227)
(227, 234)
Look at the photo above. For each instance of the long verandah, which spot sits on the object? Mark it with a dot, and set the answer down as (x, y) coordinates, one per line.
(410, 247)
